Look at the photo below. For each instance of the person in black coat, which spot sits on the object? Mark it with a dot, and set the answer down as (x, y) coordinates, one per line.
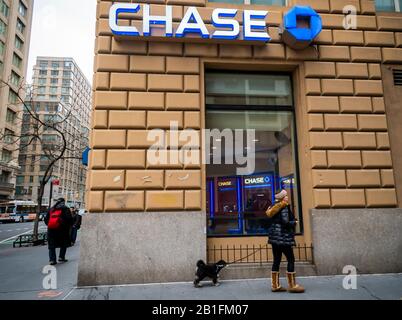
(282, 238)
(77, 219)
(59, 237)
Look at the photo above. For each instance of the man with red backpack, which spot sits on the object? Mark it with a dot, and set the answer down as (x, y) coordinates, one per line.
(59, 222)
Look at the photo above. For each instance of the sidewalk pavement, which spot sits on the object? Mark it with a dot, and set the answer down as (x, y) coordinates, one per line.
(21, 278)
(369, 287)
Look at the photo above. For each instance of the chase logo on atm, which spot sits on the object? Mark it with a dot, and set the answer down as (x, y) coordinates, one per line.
(258, 180)
(225, 183)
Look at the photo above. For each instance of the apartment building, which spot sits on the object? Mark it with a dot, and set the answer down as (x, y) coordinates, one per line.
(319, 84)
(61, 91)
(15, 33)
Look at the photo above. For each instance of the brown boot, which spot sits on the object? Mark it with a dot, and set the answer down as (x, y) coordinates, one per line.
(293, 287)
(275, 285)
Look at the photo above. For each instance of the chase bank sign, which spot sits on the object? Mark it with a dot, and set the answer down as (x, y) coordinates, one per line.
(225, 25)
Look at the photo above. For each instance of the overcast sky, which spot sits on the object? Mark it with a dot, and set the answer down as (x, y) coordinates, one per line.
(64, 28)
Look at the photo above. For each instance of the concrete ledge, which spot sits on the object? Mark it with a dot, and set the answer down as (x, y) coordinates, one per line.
(257, 271)
(144, 247)
(369, 239)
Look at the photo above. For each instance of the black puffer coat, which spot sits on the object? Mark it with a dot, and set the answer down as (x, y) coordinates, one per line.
(282, 229)
(61, 237)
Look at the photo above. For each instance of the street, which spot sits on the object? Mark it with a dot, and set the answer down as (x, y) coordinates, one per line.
(9, 231)
(21, 278)
(21, 269)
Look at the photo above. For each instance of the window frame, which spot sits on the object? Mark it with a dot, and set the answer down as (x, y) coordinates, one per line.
(397, 7)
(296, 150)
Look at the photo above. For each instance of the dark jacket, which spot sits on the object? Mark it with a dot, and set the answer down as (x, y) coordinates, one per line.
(283, 225)
(77, 219)
(61, 237)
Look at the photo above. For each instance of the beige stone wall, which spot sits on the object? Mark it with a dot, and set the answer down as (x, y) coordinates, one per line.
(344, 149)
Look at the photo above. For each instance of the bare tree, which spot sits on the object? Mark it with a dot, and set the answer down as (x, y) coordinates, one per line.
(36, 128)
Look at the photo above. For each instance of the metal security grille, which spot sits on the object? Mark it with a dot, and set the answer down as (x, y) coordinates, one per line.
(255, 254)
(397, 77)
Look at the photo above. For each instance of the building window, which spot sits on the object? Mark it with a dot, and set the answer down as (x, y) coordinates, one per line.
(388, 5)
(53, 90)
(3, 28)
(19, 44)
(19, 190)
(42, 90)
(22, 9)
(42, 81)
(2, 48)
(8, 136)
(6, 156)
(261, 2)
(43, 64)
(17, 61)
(237, 103)
(67, 65)
(65, 90)
(43, 72)
(54, 81)
(20, 26)
(15, 79)
(67, 74)
(55, 73)
(12, 97)
(20, 180)
(4, 9)
(11, 116)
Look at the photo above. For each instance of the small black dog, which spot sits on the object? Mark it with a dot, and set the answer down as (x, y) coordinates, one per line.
(208, 270)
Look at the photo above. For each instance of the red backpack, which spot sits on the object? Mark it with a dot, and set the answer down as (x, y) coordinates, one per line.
(55, 219)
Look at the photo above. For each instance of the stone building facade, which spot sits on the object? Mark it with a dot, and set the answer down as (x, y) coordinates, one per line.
(347, 123)
(15, 35)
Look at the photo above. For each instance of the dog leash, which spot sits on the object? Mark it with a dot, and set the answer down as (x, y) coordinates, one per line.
(241, 259)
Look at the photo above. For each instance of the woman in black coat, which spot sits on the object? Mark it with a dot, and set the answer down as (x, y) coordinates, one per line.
(59, 237)
(282, 238)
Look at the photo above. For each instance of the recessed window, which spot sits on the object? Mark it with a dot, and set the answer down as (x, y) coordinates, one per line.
(3, 28)
(4, 9)
(15, 79)
(8, 136)
(11, 116)
(6, 156)
(22, 9)
(20, 26)
(12, 97)
(19, 44)
(2, 48)
(253, 117)
(17, 61)
(388, 5)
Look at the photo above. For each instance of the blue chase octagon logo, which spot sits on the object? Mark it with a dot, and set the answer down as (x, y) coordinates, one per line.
(302, 24)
